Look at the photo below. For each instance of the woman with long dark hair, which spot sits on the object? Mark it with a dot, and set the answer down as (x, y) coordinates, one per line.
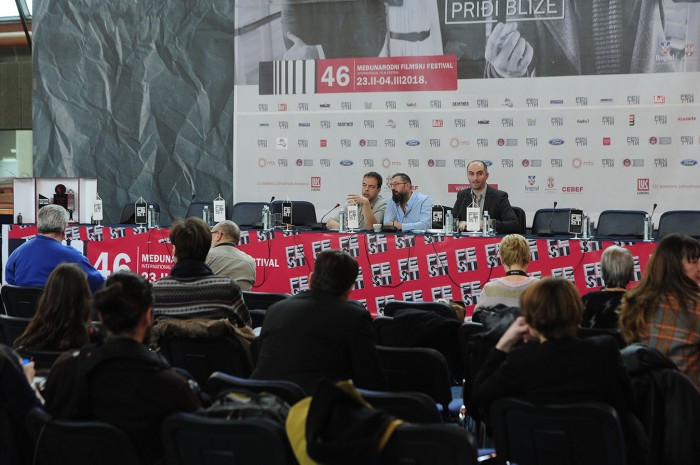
(663, 310)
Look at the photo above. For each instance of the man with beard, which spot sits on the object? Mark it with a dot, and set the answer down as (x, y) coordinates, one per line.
(408, 210)
(370, 204)
(503, 218)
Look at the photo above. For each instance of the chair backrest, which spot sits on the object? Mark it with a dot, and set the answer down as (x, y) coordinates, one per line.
(572, 434)
(20, 301)
(248, 214)
(12, 327)
(679, 221)
(583, 333)
(385, 333)
(474, 350)
(196, 440)
(127, 215)
(558, 219)
(63, 442)
(196, 209)
(257, 317)
(43, 359)
(417, 369)
(416, 407)
(303, 212)
(421, 444)
(621, 223)
(437, 307)
(288, 391)
(522, 219)
(203, 356)
(262, 300)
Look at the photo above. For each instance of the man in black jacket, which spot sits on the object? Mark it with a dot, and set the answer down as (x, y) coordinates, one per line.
(320, 333)
(479, 194)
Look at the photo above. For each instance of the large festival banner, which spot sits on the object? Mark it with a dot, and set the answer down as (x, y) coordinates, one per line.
(588, 103)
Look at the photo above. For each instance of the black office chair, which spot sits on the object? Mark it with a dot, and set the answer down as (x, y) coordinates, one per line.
(421, 444)
(197, 209)
(191, 439)
(679, 221)
(522, 219)
(262, 300)
(573, 434)
(203, 356)
(12, 327)
(257, 317)
(621, 223)
(416, 407)
(20, 301)
(63, 442)
(303, 212)
(128, 216)
(583, 333)
(248, 214)
(288, 391)
(423, 370)
(439, 307)
(384, 331)
(474, 349)
(550, 221)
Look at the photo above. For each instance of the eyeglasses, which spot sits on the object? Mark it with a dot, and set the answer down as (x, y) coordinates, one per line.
(394, 184)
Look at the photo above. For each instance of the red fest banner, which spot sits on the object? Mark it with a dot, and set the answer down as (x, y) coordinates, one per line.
(392, 267)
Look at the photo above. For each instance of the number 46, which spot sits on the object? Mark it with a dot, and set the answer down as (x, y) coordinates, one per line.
(119, 263)
(342, 76)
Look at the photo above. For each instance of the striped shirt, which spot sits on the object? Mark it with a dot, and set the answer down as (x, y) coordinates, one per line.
(502, 291)
(676, 334)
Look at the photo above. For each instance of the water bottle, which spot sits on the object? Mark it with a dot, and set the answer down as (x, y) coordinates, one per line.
(449, 222)
(205, 214)
(648, 229)
(266, 218)
(19, 218)
(586, 227)
(150, 220)
(485, 231)
(341, 220)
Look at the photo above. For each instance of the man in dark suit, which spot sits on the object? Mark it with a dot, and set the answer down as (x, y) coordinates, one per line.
(320, 333)
(503, 218)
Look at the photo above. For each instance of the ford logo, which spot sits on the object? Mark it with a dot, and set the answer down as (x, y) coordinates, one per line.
(412, 143)
(346, 163)
(487, 162)
(689, 162)
(556, 141)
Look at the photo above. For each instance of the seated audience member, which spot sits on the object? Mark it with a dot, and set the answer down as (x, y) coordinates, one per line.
(62, 318)
(224, 257)
(602, 307)
(663, 310)
(514, 252)
(17, 398)
(556, 367)
(32, 262)
(121, 381)
(320, 333)
(192, 290)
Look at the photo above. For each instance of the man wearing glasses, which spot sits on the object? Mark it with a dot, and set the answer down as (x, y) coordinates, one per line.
(225, 259)
(370, 204)
(408, 210)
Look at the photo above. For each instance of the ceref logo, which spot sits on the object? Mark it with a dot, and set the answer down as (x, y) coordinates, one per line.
(642, 184)
(315, 183)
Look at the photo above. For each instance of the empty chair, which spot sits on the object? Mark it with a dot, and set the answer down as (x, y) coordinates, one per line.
(303, 212)
(384, 331)
(522, 220)
(196, 440)
(421, 444)
(128, 216)
(63, 442)
(438, 307)
(420, 369)
(286, 390)
(551, 221)
(12, 327)
(248, 214)
(262, 300)
(415, 407)
(474, 350)
(573, 434)
(679, 221)
(203, 356)
(20, 301)
(621, 223)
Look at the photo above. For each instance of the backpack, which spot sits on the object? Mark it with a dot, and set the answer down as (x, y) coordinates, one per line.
(237, 405)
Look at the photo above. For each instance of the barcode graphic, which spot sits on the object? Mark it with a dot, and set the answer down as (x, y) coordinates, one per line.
(287, 77)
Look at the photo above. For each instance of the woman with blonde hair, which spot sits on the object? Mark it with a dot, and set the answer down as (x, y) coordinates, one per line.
(663, 310)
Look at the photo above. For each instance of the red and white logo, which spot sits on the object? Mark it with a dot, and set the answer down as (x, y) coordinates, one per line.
(526, 163)
(606, 141)
(653, 140)
(324, 143)
(315, 182)
(659, 99)
(281, 107)
(643, 184)
(438, 123)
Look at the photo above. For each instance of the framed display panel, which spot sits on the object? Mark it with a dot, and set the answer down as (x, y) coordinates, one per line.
(29, 191)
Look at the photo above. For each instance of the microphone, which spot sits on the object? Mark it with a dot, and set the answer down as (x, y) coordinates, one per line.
(653, 209)
(548, 231)
(321, 224)
(459, 212)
